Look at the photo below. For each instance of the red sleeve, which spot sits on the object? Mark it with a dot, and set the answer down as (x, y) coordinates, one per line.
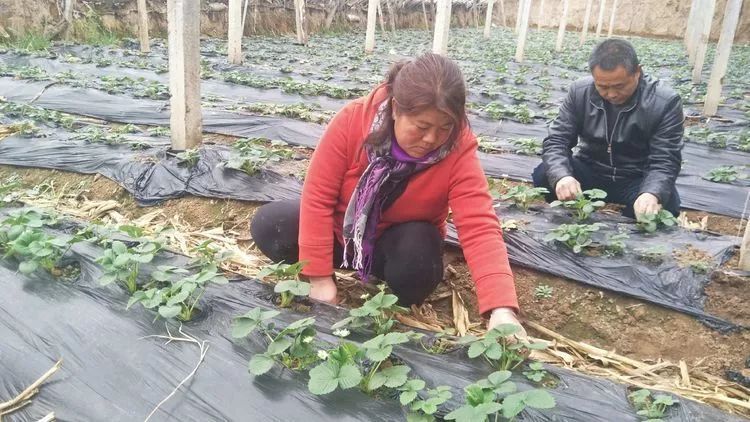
(320, 194)
(479, 231)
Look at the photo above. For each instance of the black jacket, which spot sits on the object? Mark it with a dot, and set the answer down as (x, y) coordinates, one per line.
(647, 141)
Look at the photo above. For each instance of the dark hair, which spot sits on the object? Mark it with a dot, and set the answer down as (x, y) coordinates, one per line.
(611, 53)
(430, 80)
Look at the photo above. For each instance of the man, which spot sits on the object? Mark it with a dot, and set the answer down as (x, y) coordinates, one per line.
(628, 129)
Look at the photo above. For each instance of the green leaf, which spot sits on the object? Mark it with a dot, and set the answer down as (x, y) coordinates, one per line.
(107, 279)
(279, 346)
(119, 248)
(28, 267)
(168, 312)
(407, 397)
(476, 349)
(328, 376)
(260, 364)
(513, 404)
(179, 297)
(539, 399)
(142, 258)
(499, 377)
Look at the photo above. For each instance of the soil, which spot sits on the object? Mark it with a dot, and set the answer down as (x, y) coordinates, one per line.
(603, 319)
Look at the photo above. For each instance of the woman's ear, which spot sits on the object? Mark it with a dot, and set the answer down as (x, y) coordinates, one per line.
(394, 108)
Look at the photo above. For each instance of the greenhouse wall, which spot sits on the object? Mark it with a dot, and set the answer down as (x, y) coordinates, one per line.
(655, 18)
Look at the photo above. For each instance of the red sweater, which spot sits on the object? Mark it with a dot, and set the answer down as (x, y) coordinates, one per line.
(457, 181)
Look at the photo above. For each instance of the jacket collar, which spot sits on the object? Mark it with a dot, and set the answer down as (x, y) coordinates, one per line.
(598, 101)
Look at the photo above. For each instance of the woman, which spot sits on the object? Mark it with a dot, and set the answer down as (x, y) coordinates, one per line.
(378, 192)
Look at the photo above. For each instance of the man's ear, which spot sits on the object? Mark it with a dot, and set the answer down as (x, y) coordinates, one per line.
(639, 71)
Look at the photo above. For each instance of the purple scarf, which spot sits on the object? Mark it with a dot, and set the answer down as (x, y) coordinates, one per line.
(382, 182)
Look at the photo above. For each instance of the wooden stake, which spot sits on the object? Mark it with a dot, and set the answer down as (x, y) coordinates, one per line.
(502, 12)
(380, 18)
(245, 3)
(183, 18)
(442, 27)
(234, 34)
(372, 11)
(700, 51)
(723, 49)
(745, 249)
(391, 16)
(600, 22)
(690, 24)
(612, 19)
(488, 19)
(586, 20)
(540, 17)
(563, 24)
(299, 18)
(523, 30)
(424, 13)
(143, 26)
(519, 14)
(695, 30)
(70, 5)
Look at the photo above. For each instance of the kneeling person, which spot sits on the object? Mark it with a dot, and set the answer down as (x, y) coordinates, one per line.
(628, 128)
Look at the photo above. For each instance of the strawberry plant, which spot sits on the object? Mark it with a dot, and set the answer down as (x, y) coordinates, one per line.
(370, 366)
(280, 270)
(176, 297)
(523, 196)
(653, 254)
(292, 347)
(188, 158)
(723, 174)
(498, 396)
(536, 372)
(288, 284)
(122, 263)
(543, 291)
(520, 112)
(585, 203)
(35, 249)
(615, 244)
(651, 407)
(422, 409)
(498, 349)
(574, 236)
(649, 223)
(376, 313)
(251, 156)
(206, 254)
(527, 146)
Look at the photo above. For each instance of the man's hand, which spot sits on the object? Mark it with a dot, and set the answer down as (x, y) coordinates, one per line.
(507, 316)
(323, 289)
(646, 203)
(567, 188)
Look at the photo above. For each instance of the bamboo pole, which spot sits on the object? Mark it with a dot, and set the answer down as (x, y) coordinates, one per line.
(183, 18)
(426, 21)
(540, 17)
(612, 19)
(586, 20)
(70, 5)
(143, 26)
(488, 19)
(723, 49)
(705, 32)
(234, 32)
(372, 10)
(563, 24)
(521, 45)
(600, 22)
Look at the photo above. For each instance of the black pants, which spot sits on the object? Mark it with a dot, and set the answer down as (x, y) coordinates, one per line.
(623, 192)
(408, 256)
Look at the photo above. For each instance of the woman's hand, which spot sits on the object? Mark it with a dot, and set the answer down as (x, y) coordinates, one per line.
(323, 289)
(507, 316)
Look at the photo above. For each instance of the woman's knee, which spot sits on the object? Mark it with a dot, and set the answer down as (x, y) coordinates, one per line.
(275, 229)
(413, 261)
